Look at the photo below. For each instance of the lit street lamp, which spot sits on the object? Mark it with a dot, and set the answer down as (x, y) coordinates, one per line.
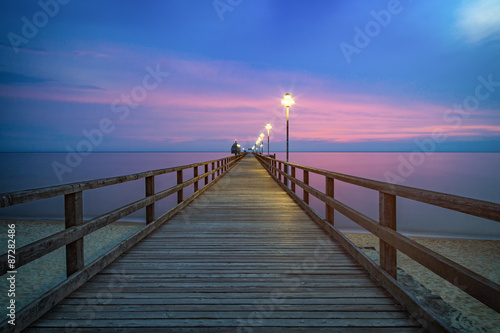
(268, 128)
(287, 101)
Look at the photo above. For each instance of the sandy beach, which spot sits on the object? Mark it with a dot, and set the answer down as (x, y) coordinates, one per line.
(40, 275)
(480, 256)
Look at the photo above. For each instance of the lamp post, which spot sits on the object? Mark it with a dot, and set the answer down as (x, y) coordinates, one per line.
(287, 101)
(268, 128)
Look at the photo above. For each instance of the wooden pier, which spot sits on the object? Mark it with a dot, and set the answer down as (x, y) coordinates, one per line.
(246, 256)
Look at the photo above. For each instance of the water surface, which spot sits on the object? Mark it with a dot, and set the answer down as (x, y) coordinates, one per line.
(472, 175)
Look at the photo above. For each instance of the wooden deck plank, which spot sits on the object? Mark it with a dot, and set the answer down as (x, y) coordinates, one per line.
(243, 255)
(255, 329)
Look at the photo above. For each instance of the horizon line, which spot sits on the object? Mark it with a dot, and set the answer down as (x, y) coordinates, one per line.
(265, 153)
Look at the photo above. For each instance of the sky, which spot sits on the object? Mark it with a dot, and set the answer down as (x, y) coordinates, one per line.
(165, 75)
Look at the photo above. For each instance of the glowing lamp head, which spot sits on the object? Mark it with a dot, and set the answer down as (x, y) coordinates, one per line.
(287, 100)
(268, 127)
(261, 135)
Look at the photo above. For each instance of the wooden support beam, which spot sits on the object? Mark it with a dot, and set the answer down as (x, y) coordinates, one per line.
(206, 171)
(279, 167)
(329, 189)
(195, 174)
(306, 181)
(180, 192)
(387, 218)
(213, 168)
(73, 212)
(293, 176)
(150, 190)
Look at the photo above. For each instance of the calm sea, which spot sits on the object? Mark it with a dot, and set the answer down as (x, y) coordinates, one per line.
(473, 175)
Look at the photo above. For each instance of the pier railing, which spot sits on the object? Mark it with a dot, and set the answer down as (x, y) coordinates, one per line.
(76, 228)
(479, 287)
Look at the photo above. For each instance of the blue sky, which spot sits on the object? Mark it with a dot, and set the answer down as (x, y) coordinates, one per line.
(420, 67)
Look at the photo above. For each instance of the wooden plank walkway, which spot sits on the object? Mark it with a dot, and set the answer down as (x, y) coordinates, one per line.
(243, 257)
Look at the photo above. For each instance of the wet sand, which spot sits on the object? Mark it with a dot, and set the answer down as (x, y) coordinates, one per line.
(480, 256)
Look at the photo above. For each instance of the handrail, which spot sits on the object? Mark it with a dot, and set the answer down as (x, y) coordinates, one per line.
(479, 287)
(71, 234)
(475, 207)
(24, 196)
(72, 237)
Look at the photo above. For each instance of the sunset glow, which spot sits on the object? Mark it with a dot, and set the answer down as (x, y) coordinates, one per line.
(164, 91)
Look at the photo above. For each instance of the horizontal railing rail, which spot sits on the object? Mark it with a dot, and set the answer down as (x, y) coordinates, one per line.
(24, 196)
(76, 228)
(44, 246)
(479, 287)
(479, 208)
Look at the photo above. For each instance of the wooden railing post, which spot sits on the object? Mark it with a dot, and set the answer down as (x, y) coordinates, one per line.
(150, 190)
(218, 166)
(181, 191)
(206, 171)
(279, 173)
(213, 168)
(286, 171)
(329, 190)
(306, 181)
(387, 218)
(73, 213)
(195, 174)
(293, 176)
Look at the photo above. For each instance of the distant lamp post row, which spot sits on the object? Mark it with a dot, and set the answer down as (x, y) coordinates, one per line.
(287, 102)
